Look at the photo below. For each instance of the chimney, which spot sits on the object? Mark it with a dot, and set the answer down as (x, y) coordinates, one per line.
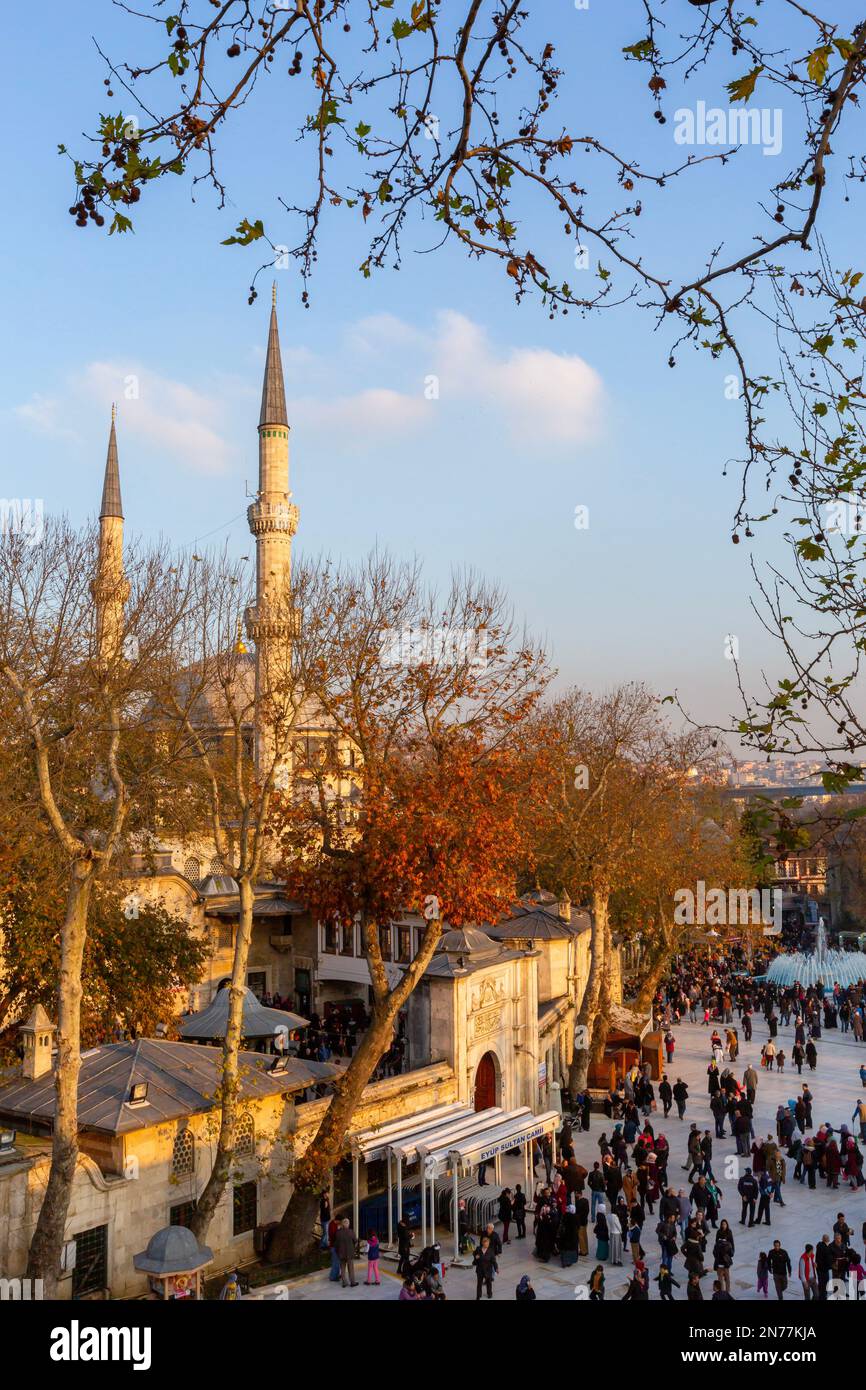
(37, 1034)
(564, 906)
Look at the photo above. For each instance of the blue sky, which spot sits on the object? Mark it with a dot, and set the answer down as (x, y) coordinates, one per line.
(534, 418)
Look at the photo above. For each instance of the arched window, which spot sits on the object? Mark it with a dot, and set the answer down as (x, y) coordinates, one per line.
(216, 868)
(192, 871)
(183, 1155)
(245, 1137)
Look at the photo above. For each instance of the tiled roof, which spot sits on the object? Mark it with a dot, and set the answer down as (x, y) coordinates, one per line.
(182, 1079)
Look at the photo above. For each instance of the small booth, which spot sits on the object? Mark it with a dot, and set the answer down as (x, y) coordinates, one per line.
(629, 1041)
(173, 1262)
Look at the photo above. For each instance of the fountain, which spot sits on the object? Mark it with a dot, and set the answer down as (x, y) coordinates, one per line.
(808, 967)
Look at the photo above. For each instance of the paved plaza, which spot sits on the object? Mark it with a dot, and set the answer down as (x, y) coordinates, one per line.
(806, 1215)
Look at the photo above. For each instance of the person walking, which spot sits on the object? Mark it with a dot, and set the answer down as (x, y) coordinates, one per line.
(666, 1095)
(723, 1255)
(763, 1284)
(681, 1095)
(750, 1081)
(779, 1262)
(518, 1204)
(373, 1249)
(823, 1266)
(344, 1244)
(749, 1192)
(615, 1233)
(667, 1283)
(404, 1245)
(506, 1213)
(765, 1196)
(486, 1268)
(807, 1274)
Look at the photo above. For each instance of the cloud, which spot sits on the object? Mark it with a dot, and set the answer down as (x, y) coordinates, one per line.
(176, 418)
(43, 414)
(543, 395)
(534, 395)
(540, 396)
(376, 413)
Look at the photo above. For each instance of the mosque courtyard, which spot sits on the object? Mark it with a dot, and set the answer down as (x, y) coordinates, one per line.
(806, 1215)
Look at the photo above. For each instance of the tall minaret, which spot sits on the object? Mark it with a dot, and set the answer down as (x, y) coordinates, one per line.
(110, 588)
(273, 520)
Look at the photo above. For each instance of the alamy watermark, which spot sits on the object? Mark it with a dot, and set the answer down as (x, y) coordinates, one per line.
(729, 125)
(22, 1290)
(716, 907)
(435, 646)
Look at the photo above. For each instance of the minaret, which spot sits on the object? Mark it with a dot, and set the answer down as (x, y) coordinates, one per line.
(273, 520)
(110, 589)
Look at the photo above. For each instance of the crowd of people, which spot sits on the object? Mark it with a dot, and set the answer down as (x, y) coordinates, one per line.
(658, 1216)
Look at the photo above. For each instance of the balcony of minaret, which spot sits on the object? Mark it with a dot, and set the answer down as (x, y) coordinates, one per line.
(260, 623)
(273, 518)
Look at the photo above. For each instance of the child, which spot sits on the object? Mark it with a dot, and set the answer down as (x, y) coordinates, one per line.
(780, 1061)
(763, 1274)
(373, 1259)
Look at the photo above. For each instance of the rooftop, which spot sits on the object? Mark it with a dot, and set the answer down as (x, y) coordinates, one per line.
(182, 1079)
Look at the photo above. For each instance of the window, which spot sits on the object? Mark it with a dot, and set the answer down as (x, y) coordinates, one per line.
(192, 871)
(385, 942)
(245, 1208)
(257, 981)
(404, 945)
(224, 936)
(183, 1156)
(347, 939)
(181, 1215)
(217, 868)
(245, 1137)
(331, 943)
(91, 1262)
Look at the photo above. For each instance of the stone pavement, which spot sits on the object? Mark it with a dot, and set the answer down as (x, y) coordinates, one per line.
(806, 1215)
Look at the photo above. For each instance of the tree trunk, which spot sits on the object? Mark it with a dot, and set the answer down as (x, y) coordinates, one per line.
(312, 1171)
(47, 1244)
(657, 966)
(229, 1092)
(602, 1018)
(588, 1012)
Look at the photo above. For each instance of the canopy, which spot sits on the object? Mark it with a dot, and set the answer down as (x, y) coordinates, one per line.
(447, 1139)
(258, 1022)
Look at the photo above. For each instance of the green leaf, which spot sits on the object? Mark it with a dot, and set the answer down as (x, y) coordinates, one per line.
(247, 232)
(641, 50)
(817, 64)
(743, 87)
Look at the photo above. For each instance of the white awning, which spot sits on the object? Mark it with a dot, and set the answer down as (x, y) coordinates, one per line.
(450, 1135)
(511, 1130)
(371, 1144)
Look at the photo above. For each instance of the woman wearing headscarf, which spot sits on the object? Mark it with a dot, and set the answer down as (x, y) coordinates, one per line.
(602, 1234)
(567, 1237)
(525, 1292)
(614, 1227)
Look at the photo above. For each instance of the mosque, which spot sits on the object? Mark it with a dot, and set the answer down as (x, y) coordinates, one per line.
(489, 1030)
